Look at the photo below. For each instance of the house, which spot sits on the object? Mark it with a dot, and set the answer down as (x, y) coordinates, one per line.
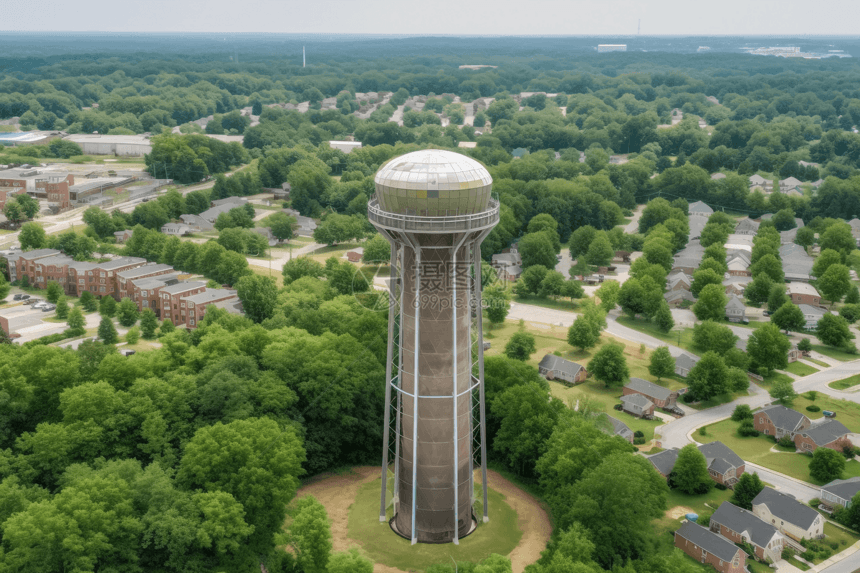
(684, 363)
(700, 209)
(826, 434)
(282, 194)
(660, 396)
(739, 242)
(817, 184)
(734, 289)
(838, 492)
(123, 236)
(741, 526)
(637, 405)
(724, 466)
(510, 273)
(235, 201)
(779, 421)
(554, 367)
(739, 266)
(792, 518)
(619, 428)
(354, 256)
(177, 229)
(812, 314)
(759, 181)
(196, 304)
(706, 547)
(679, 281)
(623, 256)
(736, 310)
(803, 293)
(796, 263)
(746, 226)
(197, 223)
(676, 298)
(789, 183)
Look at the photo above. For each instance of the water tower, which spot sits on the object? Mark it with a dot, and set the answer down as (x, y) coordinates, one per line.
(435, 209)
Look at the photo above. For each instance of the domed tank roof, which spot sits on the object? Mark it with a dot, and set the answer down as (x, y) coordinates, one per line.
(433, 183)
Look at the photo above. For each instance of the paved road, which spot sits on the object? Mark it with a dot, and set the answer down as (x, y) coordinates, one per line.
(633, 226)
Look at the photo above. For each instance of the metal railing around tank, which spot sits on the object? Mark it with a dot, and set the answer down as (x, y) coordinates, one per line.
(443, 224)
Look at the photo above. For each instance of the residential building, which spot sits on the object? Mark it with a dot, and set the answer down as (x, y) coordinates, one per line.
(222, 206)
(700, 209)
(759, 181)
(739, 266)
(235, 201)
(106, 274)
(26, 263)
(123, 236)
(812, 314)
(803, 293)
(679, 281)
(637, 405)
(172, 304)
(792, 518)
(197, 223)
(779, 421)
(735, 289)
(619, 428)
(746, 226)
(125, 279)
(50, 269)
(739, 242)
(724, 466)
(839, 492)
(662, 397)
(706, 547)
(789, 183)
(676, 298)
(741, 526)
(827, 433)
(796, 263)
(196, 304)
(345, 146)
(855, 227)
(717, 176)
(736, 310)
(684, 363)
(176, 229)
(81, 279)
(554, 367)
(7, 193)
(146, 292)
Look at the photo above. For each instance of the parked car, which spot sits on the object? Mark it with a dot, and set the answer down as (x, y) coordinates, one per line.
(829, 414)
(32, 301)
(18, 296)
(40, 304)
(49, 307)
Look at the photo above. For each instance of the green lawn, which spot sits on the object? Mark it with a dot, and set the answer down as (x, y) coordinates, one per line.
(685, 340)
(758, 449)
(704, 504)
(775, 377)
(834, 353)
(555, 304)
(756, 567)
(819, 362)
(717, 400)
(801, 369)
(500, 535)
(846, 382)
(839, 535)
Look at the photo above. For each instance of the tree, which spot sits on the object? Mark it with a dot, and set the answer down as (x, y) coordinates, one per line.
(133, 335)
(76, 320)
(662, 363)
(737, 380)
(608, 295)
(377, 251)
(299, 267)
(609, 365)
(62, 307)
(309, 535)
(804, 345)
(580, 241)
(600, 251)
(107, 332)
(824, 261)
(497, 303)
(690, 474)
(532, 278)
(339, 229)
(663, 317)
(789, 317)
(709, 377)
(783, 392)
(167, 327)
(582, 334)
(703, 278)
(742, 412)
(88, 301)
(601, 503)
(148, 324)
(768, 265)
(839, 238)
(32, 236)
(350, 561)
(853, 296)
(768, 347)
(749, 485)
(805, 237)
(833, 331)
(711, 304)
(826, 465)
(520, 346)
(776, 298)
(255, 460)
(552, 284)
(127, 312)
(537, 249)
(759, 289)
(107, 306)
(53, 291)
(259, 295)
(835, 283)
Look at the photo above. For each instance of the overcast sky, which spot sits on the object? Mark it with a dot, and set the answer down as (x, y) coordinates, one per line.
(506, 17)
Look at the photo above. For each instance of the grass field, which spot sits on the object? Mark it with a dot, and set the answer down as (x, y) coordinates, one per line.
(556, 304)
(500, 535)
(818, 362)
(835, 353)
(846, 382)
(801, 369)
(704, 504)
(685, 340)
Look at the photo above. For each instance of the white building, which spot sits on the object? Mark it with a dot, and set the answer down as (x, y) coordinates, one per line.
(611, 48)
(123, 145)
(345, 146)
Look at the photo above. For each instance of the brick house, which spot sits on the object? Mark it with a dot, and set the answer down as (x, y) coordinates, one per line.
(792, 518)
(7, 193)
(172, 306)
(51, 269)
(676, 298)
(679, 281)
(57, 192)
(706, 547)
(741, 526)
(803, 293)
(146, 292)
(828, 434)
(123, 236)
(778, 421)
(125, 278)
(660, 396)
(26, 262)
(839, 492)
(105, 274)
(724, 466)
(554, 367)
(80, 279)
(196, 304)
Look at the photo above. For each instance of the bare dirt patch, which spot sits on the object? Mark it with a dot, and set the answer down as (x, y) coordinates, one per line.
(679, 511)
(337, 493)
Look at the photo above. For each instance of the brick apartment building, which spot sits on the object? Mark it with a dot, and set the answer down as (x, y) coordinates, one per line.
(173, 305)
(707, 547)
(56, 190)
(125, 278)
(196, 304)
(146, 292)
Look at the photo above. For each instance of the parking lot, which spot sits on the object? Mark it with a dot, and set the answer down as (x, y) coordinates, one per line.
(28, 322)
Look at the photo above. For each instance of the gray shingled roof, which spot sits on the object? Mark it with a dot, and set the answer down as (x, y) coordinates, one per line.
(844, 488)
(182, 287)
(740, 520)
(746, 225)
(209, 295)
(649, 389)
(559, 364)
(824, 433)
(720, 458)
(685, 360)
(618, 427)
(786, 508)
(664, 461)
(143, 271)
(711, 542)
(783, 418)
(120, 262)
(735, 303)
(680, 294)
(638, 400)
(700, 207)
(30, 255)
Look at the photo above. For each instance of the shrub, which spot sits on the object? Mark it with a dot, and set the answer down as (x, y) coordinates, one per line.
(704, 520)
(720, 486)
(638, 434)
(813, 408)
(787, 553)
(747, 429)
(688, 398)
(763, 372)
(703, 431)
(815, 502)
(742, 412)
(785, 441)
(639, 441)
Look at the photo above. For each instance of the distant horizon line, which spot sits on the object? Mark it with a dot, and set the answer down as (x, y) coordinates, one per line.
(426, 35)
